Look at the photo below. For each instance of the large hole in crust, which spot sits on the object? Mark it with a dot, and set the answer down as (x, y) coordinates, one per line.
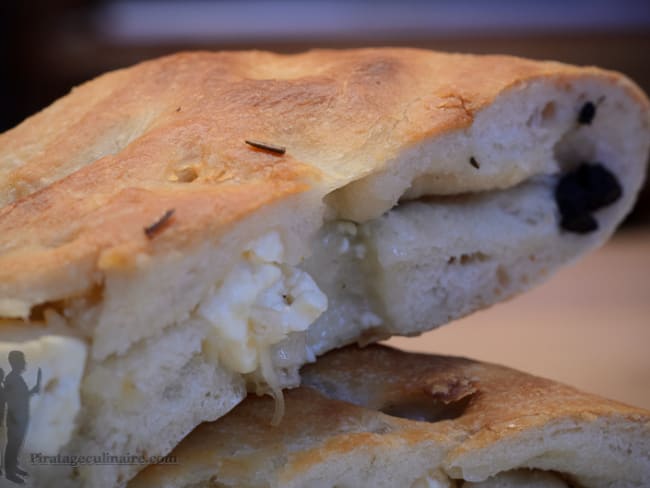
(446, 399)
(427, 409)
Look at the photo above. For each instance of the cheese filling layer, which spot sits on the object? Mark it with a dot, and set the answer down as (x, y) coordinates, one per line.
(258, 304)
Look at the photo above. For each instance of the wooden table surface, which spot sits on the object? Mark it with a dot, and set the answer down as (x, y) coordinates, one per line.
(588, 326)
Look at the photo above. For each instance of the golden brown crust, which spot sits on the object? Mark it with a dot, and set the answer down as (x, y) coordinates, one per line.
(473, 407)
(80, 180)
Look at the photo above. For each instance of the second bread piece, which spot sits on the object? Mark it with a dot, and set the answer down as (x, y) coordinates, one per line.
(379, 417)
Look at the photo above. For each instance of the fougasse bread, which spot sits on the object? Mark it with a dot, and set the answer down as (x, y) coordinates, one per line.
(177, 233)
(380, 417)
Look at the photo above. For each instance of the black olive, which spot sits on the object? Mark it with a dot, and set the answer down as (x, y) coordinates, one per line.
(600, 185)
(579, 223)
(580, 192)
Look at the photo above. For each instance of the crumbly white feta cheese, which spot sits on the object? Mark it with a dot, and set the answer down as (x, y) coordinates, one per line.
(258, 304)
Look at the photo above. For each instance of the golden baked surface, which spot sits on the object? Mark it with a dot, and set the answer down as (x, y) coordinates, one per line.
(80, 180)
(474, 419)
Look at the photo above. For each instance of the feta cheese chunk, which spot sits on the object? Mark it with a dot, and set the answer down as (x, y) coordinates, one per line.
(259, 302)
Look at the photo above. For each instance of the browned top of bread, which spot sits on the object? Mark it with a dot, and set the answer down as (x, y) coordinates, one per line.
(386, 414)
(80, 180)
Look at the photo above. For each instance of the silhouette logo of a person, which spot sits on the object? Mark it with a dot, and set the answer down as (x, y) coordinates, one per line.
(17, 395)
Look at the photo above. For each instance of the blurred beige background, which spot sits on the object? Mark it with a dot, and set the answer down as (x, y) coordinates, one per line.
(589, 325)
